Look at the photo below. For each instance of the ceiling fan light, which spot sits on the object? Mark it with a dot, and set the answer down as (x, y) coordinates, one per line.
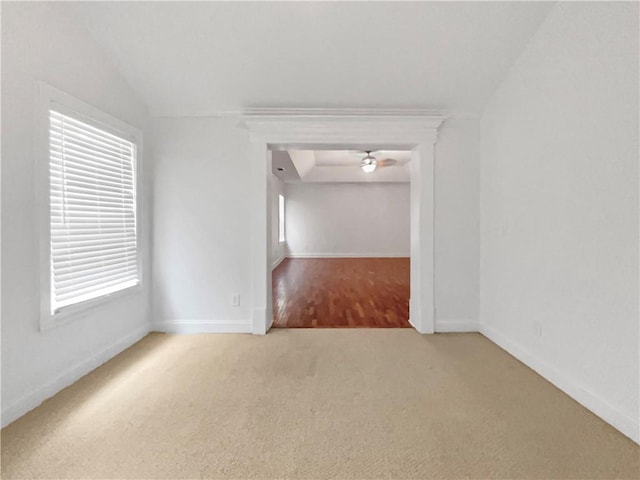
(368, 164)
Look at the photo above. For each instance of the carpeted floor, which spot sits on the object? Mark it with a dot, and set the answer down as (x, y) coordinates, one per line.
(315, 404)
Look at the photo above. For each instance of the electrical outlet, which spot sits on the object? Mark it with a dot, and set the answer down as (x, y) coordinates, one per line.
(235, 300)
(537, 326)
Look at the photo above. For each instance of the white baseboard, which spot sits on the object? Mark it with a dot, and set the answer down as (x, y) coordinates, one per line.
(456, 325)
(277, 262)
(580, 393)
(32, 400)
(260, 321)
(201, 326)
(348, 255)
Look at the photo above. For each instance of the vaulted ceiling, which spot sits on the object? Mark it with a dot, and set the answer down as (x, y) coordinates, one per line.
(207, 58)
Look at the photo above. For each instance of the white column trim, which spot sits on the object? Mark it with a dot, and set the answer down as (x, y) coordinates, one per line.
(261, 311)
(273, 129)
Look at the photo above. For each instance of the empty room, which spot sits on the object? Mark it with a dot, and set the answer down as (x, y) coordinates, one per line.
(341, 227)
(320, 240)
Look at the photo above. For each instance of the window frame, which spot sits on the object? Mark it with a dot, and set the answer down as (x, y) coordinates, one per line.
(48, 98)
(281, 219)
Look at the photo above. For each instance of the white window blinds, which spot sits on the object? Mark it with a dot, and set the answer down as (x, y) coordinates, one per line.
(92, 177)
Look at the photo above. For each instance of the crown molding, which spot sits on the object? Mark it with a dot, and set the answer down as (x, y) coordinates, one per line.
(343, 112)
(378, 112)
(342, 126)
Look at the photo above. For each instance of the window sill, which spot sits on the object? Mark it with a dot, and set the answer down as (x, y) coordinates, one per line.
(73, 312)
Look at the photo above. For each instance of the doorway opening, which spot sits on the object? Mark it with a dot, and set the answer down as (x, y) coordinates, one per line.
(274, 130)
(341, 238)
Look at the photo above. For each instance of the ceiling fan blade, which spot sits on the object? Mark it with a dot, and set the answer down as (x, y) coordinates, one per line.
(386, 162)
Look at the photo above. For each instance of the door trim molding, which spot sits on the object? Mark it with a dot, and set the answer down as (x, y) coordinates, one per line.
(378, 129)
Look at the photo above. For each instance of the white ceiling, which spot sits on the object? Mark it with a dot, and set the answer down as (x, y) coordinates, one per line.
(280, 159)
(319, 166)
(351, 158)
(207, 58)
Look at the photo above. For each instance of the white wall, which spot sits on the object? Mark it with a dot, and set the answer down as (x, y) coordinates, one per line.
(202, 228)
(40, 42)
(559, 240)
(202, 224)
(347, 219)
(278, 250)
(457, 225)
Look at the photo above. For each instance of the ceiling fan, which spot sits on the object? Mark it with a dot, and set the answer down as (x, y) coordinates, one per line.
(369, 163)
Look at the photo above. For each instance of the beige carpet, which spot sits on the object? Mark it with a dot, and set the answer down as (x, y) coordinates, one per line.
(314, 404)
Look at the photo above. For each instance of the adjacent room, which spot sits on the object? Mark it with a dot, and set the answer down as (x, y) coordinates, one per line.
(341, 228)
(320, 240)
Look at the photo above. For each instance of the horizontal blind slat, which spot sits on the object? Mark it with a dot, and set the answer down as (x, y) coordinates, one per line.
(93, 204)
(87, 221)
(60, 139)
(99, 182)
(67, 267)
(79, 256)
(57, 118)
(80, 278)
(62, 244)
(80, 246)
(85, 229)
(71, 185)
(82, 124)
(72, 128)
(62, 190)
(99, 210)
(67, 153)
(93, 211)
(84, 287)
(95, 235)
(71, 195)
(112, 287)
(64, 271)
(58, 170)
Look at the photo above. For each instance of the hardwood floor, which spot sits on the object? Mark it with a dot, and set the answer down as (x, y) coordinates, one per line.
(341, 292)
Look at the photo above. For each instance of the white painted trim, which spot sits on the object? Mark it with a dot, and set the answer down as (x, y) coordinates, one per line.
(261, 321)
(415, 327)
(579, 392)
(342, 112)
(278, 261)
(46, 98)
(347, 255)
(456, 325)
(217, 113)
(422, 243)
(337, 130)
(31, 400)
(202, 326)
(277, 129)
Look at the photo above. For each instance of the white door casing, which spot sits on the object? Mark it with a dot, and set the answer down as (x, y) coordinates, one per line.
(277, 129)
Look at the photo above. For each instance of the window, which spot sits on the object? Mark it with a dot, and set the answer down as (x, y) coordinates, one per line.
(92, 248)
(281, 236)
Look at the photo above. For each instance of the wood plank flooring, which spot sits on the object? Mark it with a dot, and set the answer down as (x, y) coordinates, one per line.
(341, 292)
